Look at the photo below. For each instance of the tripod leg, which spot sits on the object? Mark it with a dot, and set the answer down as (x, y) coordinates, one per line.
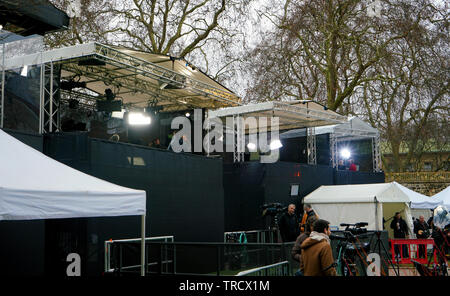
(380, 245)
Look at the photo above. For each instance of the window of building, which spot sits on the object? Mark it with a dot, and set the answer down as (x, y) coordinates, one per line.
(427, 166)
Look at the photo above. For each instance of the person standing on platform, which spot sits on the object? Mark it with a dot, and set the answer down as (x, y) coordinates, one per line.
(422, 231)
(288, 225)
(400, 231)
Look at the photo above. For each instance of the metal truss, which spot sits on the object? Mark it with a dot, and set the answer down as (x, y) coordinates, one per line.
(333, 151)
(2, 88)
(376, 155)
(131, 74)
(148, 69)
(287, 112)
(49, 119)
(238, 139)
(308, 112)
(311, 145)
(85, 101)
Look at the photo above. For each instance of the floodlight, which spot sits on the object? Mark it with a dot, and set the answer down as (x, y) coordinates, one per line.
(345, 153)
(138, 118)
(24, 71)
(251, 146)
(275, 144)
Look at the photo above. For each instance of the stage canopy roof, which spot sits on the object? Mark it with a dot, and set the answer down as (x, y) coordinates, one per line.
(34, 186)
(353, 129)
(28, 17)
(293, 114)
(138, 78)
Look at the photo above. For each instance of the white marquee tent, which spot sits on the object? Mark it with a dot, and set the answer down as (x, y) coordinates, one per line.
(361, 203)
(443, 197)
(420, 204)
(419, 201)
(34, 186)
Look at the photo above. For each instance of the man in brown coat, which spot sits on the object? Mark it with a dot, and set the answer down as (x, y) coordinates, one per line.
(317, 256)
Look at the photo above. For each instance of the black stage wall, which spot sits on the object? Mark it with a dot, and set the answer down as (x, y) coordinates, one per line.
(249, 185)
(22, 242)
(184, 191)
(191, 197)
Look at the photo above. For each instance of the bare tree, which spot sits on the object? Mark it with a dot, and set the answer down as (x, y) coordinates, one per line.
(89, 21)
(389, 67)
(206, 32)
(328, 47)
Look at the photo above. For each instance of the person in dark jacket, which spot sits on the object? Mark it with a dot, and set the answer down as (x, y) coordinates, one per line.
(422, 231)
(400, 231)
(289, 226)
(296, 252)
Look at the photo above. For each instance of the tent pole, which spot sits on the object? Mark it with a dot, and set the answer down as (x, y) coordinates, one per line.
(143, 245)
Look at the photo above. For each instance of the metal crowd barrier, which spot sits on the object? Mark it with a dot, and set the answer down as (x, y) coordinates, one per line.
(277, 269)
(122, 242)
(193, 258)
(262, 236)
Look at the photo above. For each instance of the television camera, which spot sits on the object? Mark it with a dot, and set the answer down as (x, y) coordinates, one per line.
(273, 210)
(350, 248)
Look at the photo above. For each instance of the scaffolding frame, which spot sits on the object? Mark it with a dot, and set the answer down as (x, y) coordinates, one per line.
(341, 135)
(291, 115)
(311, 145)
(129, 74)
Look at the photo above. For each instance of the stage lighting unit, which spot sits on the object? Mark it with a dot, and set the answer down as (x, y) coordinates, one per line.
(345, 153)
(109, 105)
(251, 147)
(71, 84)
(74, 104)
(275, 144)
(138, 118)
(109, 94)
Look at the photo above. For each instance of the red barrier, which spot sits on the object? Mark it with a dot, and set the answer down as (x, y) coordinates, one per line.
(403, 250)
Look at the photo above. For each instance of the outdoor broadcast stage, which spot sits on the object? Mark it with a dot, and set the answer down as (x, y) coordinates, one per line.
(194, 198)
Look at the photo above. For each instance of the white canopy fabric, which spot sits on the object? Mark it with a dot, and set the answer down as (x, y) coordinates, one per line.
(34, 186)
(353, 128)
(361, 193)
(419, 201)
(443, 197)
(360, 203)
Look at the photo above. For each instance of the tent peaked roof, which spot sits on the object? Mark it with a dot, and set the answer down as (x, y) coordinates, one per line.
(419, 201)
(360, 193)
(35, 186)
(443, 197)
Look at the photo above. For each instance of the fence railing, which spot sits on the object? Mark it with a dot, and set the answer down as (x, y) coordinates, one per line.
(277, 269)
(123, 242)
(188, 258)
(253, 236)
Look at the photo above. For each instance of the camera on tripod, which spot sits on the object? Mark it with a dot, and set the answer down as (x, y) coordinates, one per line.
(355, 229)
(350, 237)
(273, 210)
